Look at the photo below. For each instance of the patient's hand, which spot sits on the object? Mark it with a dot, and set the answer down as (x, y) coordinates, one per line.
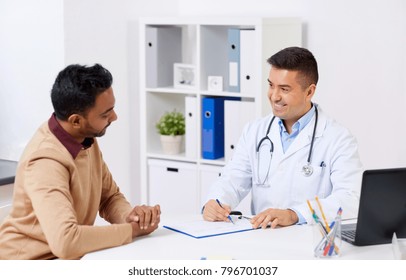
(144, 219)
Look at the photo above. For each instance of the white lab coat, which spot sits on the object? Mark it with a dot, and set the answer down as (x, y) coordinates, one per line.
(337, 184)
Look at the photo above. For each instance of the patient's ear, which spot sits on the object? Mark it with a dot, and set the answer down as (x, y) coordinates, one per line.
(75, 120)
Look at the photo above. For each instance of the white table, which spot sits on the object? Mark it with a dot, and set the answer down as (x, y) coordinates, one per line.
(288, 243)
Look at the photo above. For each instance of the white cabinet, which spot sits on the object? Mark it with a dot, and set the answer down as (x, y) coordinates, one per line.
(173, 185)
(208, 174)
(183, 61)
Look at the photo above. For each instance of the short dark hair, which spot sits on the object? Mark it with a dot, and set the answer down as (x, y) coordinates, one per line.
(297, 59)
(76, 88)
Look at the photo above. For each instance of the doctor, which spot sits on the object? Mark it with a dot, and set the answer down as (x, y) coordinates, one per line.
(291, 156)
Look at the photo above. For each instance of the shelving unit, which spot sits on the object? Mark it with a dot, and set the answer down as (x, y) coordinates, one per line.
(180, 182)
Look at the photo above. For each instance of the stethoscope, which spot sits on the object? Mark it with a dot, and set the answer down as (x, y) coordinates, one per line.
(307, 169)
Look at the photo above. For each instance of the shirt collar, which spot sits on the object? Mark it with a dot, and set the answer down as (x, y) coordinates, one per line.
(301, 123)
(66, 139)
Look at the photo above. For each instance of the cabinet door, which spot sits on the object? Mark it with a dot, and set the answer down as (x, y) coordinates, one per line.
(208, 175)
(173, 185)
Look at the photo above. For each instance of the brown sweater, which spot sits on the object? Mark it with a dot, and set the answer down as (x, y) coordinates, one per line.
(57, 196)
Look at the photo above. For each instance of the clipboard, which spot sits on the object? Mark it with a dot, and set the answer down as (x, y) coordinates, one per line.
(199, 228)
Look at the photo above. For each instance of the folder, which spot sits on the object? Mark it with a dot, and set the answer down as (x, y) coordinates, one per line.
(213, 127)
(236, 115)
(191, 127)
(198, 228)
(234, 60)
(163, 48)
(247, 62)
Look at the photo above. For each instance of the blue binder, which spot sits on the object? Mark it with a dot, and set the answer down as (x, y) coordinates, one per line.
(213, 127)
(234, 60)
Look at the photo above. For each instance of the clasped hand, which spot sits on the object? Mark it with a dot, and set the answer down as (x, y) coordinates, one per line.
(144, 219)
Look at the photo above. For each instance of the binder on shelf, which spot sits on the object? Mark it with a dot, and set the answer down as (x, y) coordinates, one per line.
(236, 115)
(213, 126)
(234, 60)
(247, 62)
(163, 48)
(191, 127)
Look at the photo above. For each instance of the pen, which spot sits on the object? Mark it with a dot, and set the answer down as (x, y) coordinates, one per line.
(245, 217)
(229, 217)
(323, 167)
(310, 206)
(322, 214)
(311, 210)
(315, 217)
(339, 212)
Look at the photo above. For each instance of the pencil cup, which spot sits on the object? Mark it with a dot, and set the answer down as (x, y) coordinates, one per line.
(399, 247)
(327, 239)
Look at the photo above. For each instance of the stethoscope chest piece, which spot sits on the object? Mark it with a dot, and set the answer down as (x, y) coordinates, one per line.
(307, 170)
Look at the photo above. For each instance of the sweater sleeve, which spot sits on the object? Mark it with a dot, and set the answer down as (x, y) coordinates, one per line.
(114, 207)
(48, 186)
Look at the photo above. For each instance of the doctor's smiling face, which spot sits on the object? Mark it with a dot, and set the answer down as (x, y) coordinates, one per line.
(290, 98)
(292, 82)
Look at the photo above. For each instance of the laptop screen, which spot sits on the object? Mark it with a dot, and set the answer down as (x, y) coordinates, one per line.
(382, 209)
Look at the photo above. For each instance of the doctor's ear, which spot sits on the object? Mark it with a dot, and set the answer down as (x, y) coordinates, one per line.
(311, 90)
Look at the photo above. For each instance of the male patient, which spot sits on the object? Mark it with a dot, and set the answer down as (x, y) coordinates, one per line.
(62, 181)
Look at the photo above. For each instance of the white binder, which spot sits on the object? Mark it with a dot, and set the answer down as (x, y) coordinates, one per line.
(233, 60)
(247, 59)
(236, 115)
(163, 49)
(191, 127)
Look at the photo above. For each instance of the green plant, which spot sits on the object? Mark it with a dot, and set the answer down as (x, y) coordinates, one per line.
(171, 123)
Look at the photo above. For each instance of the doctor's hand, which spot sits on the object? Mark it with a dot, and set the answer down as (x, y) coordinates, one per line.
(144, 219)
(214, 212)
(274, 218)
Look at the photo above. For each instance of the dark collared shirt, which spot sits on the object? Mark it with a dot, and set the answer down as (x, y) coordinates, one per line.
(66, 139)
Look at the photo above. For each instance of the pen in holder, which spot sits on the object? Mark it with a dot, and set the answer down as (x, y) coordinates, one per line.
(327, 239)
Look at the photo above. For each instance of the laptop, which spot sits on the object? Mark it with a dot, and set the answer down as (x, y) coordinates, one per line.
(382, 208)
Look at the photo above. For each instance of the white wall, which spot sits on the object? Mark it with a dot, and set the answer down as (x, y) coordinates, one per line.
(359, 46)
(106, 32)
(31, 54)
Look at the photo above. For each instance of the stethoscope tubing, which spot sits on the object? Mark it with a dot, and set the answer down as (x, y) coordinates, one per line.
(307, 169)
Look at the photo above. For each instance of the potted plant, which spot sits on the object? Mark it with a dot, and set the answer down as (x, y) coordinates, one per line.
(171, 127)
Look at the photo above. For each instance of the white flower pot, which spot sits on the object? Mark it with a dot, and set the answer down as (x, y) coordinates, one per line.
(171, 144)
